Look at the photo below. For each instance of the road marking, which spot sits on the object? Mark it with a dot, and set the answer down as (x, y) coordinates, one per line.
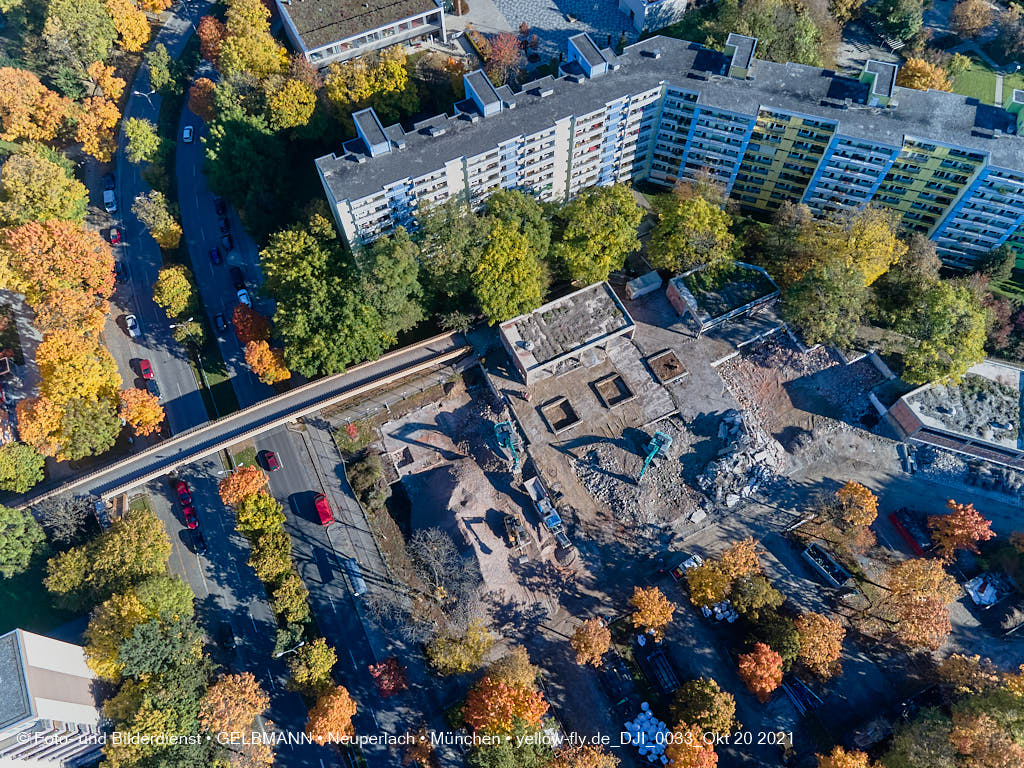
(202, 574)
(354, 665)
(249, 611)
(270, 677)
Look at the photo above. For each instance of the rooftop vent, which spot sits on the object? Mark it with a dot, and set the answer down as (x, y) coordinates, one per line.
(545, 92)
(653, 54)
(436, 130)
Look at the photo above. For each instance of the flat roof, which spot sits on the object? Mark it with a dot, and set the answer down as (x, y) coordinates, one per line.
(744, 46)
(482, 86)
(587, 48)
(566, 325)
(933, 115)
(885, 75)
(320, 22)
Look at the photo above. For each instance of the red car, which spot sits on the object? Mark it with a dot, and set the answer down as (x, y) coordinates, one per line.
(183, 495)
(323, 509)
(115, 235)
(190, 517)
(145, 369)
(270, 461)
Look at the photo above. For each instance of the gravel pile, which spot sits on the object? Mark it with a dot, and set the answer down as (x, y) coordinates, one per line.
(748, 462)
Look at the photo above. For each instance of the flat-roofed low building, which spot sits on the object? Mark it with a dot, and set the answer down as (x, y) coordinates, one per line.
(49, 713)
(326, 31)
(556, 337)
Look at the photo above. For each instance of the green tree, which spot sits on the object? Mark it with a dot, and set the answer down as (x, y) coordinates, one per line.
(780, 634)
(290, 103)
(523, 211)
(949, 325)
(34, 188)
(161, 76)
(922, 743)
(143, 140)
(598, 231)
(508, 279)
(786, 30)
(89, 427)
(703, 704)
(21, 467)
(21, 537)
(79, 31)
(309, 668)
(826, 304)
(391, 287)
(175, 290)
(290, 599)
(753, 595)
(165, 595)
(158, 647)
(159, 216)
(451, 237)
(998, 263)
(690, 232)
(258, 513)
(523, 749)
(901, 18)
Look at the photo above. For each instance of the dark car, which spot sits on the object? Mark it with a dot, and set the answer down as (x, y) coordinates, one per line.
(226, 637)
(219, 205)
(238, 278)
(198, 541)
(323, 509)
(189, 514)
(227, 242)
(270, 461)
(215, 256)
(220, 323)
(121, 271)
(153, 389)
(224, 224)
(108, 181)
(145, 369)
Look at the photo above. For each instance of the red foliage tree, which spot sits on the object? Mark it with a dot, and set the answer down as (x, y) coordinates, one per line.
(761, 670)
(503, 58)
(962, 528)
(211, 33)
(250, 325)
(200, 99)
(496, 706)
(389, 676)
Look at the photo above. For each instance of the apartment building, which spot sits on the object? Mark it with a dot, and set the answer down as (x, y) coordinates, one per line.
(326, 31)
(664, 110)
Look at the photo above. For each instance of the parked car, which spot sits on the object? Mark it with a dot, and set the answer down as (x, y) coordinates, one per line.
(270, 461)
(227, 242)
(219, 206)
(243, 297)
(224, 224)
(226, 637)
(689, 561)
(323, 509)
(109, 203)
(355, 576)
(114, 236)
(152, 388)
(187, 133)
(131, 323)
(237, 277)
(220, 323)
(121, 271)
(108, 181)
(181, 488)
(190, 517)
(215, 256)
(145, 369)
(198, 541)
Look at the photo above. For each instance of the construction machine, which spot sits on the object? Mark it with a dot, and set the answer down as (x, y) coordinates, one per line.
(505, 434)
(657, 448)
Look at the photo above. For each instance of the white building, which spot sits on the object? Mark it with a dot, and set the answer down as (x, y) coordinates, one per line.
(49, 714)
(337, 30)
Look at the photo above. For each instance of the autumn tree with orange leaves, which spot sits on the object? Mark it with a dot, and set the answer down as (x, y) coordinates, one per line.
(250, 325)
(243, 482)
(498, 706)
(761, 670)
(200, 100)
(652, 611)
(582, 756)
(821, 644)
(689, 749)
(330, 719)
(211, 32)
(591, 641)
(982, 743)
(141, 410)
(266, 363)
(968, 674)
(28, 109)
(740, 559)
(232, 703)
(840, 758)
(96, 122)
(962, 528)
(920, 591)
(858, 505)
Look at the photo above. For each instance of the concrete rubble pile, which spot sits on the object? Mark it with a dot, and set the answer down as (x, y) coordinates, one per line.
(748, 461)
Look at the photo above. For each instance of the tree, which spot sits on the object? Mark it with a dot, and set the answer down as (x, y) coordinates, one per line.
(271, 555)
(389, 675)
(957, 65)
(971, 17)
(143, 140)
(141, 410)
(708, 584)
(105, 81)
(706, 706)
(652, 611)
(826, 304)
(1010, 30)
(90, 425)
(166, 596)
(692, 232)
(248, 46)
(901, 18)
(919, 592)
(923, 75)
(982, 743)
(451, 238)
(21, 537)
(28, 109)
(161, 646)
(821, 644)
(244, 482)
(75, 368)
(598, 231)
(266, 363)
(391, 284)
(290, 103)
(160, 218)
(64, 517)
(200, 98)
(211, 32)
(778, 632)
(591, 641)
(949, 325)
(582, 756)
(968, 674)
(504, 58)
(858, 505)
(844, 10)
(997, 264)
(35, 189)
(840, 758)
(130, 23)
(922, 743)
(740, 559)
(109, 625)
(160, 74)
(96, 123)
(761, 670)
(497, 706)
(249, 324)
(330, 719)
(514, 668)
(507, 280)
(175, 289)
(689, 749)
(257, 513)
(753, 595)
(290, 599)
(233, 703)
(524, 212)
(453, 652)
(21, 467)
(310, 668)
(962, 528)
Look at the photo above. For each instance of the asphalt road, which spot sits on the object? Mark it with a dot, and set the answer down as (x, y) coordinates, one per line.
(200, 222)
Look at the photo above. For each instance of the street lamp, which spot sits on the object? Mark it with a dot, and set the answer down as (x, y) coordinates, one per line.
(290, 650)
(147, 95)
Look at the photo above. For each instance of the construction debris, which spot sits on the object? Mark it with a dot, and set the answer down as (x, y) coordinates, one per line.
(749, 460)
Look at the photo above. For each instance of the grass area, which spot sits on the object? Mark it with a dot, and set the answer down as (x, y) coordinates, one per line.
(9, 339)
(365, 433)
(27, 604)
(139, 503)
(1011, 83)
(221, 391)
(246, 456)
(979, 81)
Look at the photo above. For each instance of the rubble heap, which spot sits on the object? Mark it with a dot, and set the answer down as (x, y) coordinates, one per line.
(749, 460)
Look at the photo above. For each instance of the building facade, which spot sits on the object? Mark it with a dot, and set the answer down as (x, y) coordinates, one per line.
(49, 715)
(668, 110)
(326, 31)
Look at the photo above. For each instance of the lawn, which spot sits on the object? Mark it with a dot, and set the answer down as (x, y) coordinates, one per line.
(246, 457)
(979, 81)
(27, 604)
(1011, 83)
(139, 503)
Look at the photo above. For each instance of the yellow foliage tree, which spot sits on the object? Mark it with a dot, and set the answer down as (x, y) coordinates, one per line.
(708, 584)
(923, 76)
(105, 80)
(591, 641)
(72, 366)
(96, 122)
(111, 623)
(740, 559)
(131, 25)
(652, 610)
(141, 410)
(859, 505)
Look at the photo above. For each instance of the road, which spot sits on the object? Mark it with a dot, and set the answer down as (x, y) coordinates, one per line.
(202, 441)
(179, 389)
(228, 591)
(199, 220)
